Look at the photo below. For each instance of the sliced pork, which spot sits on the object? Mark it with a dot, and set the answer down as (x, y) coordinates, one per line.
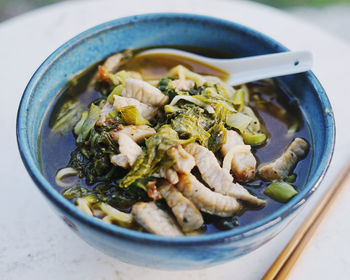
(155, 220)
(138, 133)
(129, 151)
(243, 163)
(283, 166)
(186, 213)
(184, 162)
(144, 92)
(217, 178)
(206, 200)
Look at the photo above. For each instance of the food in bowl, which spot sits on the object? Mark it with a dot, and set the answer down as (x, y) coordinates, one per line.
(44, 152)
(161, 144)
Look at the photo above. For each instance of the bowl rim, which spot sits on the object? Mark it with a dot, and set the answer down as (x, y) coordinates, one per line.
(235, 234)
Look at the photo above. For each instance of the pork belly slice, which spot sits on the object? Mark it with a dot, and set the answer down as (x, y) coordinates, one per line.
(147, 111)
(129, 151)
(243, 163)
(144, 92)
(281, 167)
(155, 220)
(184, 162)
(138, 133)
(206, 200)
(217, 178)
(185, 212)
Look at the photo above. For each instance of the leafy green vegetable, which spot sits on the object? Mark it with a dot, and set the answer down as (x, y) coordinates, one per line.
(232, 119)
(217, 137)
(91, 158)
(170, 109)
(222, 90)
(116, 91)
(243, 122)
(253, 138)
(238, 121)
(163, 84)
(74, 193)
(291, 178)
(191, 99)
(239, 99)
(67, 116)
(255, 125)
(203, 119)
(120, 198)
(131, 115)
(280, 191)
(211, 96)
(87, 122)
(188, 127)
(112, 115)
(79, 125)
(120, 77)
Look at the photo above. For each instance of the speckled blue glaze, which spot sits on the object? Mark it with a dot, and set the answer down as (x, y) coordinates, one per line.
(169, 29)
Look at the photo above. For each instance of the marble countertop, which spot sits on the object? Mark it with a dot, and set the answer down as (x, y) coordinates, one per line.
(35, 244)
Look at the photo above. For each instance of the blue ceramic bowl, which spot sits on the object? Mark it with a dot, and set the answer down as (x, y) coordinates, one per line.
(168, 29)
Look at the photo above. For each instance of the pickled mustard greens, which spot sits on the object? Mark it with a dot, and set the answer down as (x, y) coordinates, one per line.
(164, 137)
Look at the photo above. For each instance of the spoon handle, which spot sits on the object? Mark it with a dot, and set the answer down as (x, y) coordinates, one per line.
(243, 70)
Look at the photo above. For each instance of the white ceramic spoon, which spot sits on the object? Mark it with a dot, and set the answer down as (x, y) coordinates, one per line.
(248, 69)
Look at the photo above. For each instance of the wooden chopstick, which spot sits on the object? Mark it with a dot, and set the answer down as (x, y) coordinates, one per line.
(288, 257)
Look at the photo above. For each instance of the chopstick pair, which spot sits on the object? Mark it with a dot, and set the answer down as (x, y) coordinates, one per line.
(282, 266)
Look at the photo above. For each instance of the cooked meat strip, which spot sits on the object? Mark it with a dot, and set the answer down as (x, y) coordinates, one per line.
(148, 112)
(282, 166)
(167, 173)
(128, 149)
(144, 92)
(184, 162)
(155, 220)
(113, 62)
(138, 133)
(109, 66)
(120, 160)
(185, 212)
(217, 178)
(206, 200)
(243, 163)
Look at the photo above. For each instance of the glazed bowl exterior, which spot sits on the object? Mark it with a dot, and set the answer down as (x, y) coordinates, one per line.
(169, 29)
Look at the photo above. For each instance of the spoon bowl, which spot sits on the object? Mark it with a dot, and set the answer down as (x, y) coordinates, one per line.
(248, 69)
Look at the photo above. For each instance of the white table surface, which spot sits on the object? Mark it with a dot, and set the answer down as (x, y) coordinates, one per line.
(35, 244)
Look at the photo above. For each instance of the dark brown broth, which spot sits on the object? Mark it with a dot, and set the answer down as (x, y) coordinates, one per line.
(55, 148)
(155, 66)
